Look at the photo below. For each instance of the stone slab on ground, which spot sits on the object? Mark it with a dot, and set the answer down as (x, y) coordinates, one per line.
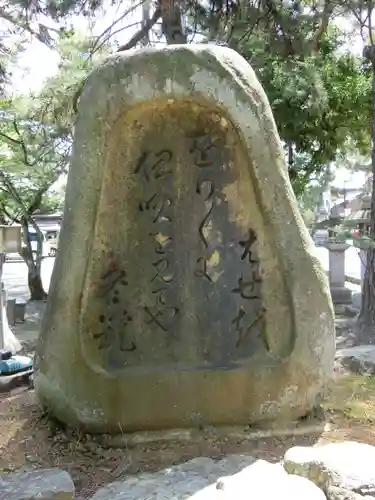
(9, 382)
(336, 493)
(202, 479)
(347, 465)
(358, 359)
(45, 484)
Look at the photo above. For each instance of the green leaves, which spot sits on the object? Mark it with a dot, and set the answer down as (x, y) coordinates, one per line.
(320, 100)
(56, 100)
(319, 93)
(32, 158)
(36, 131)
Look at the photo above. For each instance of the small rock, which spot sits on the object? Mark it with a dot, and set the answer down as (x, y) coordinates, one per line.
(265, 481)
(336, 493)
(202, 479)
(359, 359)
(348, 465)
(47, 484)
(14, 381)
(179, 481)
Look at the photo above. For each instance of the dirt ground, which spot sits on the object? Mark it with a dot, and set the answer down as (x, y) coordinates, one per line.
(28, 439)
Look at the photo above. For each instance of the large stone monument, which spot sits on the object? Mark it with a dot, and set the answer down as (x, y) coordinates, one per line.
(185, 288)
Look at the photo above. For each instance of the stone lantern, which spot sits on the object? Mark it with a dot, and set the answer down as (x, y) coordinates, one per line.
(10, 239)
(10, 242)
(360, 218)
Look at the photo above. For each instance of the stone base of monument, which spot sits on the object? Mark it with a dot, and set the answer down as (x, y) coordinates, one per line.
(297, 428)
(341, 295)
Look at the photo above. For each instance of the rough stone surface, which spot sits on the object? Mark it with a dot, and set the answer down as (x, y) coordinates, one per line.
(358, 359)
(48, 484)
(348, 465)
(341, 295)
(186, 291)
(202, 479)
(336, 493)
(9, 382)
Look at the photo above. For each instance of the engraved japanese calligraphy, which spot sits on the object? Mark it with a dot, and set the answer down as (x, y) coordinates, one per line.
(114, 320)
(185, 283)
(223, 262)
(204, 156)
(157, 168)
(246, 246)
(162, 313)
(244, 328)
(249, 321)
(205, 153)
(248, 289)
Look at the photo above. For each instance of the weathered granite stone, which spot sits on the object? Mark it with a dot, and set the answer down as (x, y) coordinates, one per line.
(358, 359)
(44, 484)
(336, 493)
(186, 291)
(265, 481)
(201, 479)
(347, 465)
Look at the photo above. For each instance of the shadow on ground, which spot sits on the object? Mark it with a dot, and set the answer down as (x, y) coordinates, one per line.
(28, 440)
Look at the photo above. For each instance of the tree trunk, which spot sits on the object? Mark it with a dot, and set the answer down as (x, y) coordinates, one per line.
(291, 171)
(34, 278)
(172, 22)
(365, 327)
(36, 286)
(170, 13)
(145, 22)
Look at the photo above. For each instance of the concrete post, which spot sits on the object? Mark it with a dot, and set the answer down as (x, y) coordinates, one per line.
(340, 294)
(363, 259)
(2, 309)
(8, 340)
(10, 306)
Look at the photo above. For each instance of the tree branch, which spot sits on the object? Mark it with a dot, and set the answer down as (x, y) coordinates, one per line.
(22, 144)
(171, 22)
(325, 18)
(10, 139)
(108, 30)
(24, 24)
(142, 32)
(256, 17)
(278, 17)
(369, 15)
(115, 33)
(36, 202)
(13, 192)
(7, 213)
(360, 21)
